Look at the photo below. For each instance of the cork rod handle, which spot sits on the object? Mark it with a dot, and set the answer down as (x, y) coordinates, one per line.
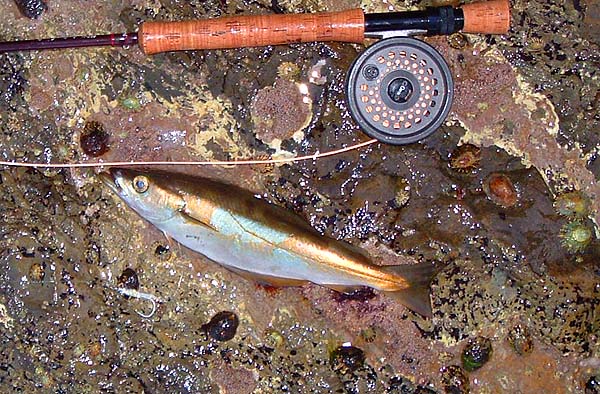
(488, 17)
(251, 30)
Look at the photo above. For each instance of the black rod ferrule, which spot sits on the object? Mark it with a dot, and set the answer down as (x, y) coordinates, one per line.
(432, 21)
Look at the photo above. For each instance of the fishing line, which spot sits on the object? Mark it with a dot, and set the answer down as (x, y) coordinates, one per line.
(225, 163)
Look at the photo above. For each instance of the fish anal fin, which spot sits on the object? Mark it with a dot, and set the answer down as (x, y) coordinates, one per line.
(344, 288)
(268, 280)
(417, 278)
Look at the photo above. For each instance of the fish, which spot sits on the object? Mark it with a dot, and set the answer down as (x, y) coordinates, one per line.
(260, 240)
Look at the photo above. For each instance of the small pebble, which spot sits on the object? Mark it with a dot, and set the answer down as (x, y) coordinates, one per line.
(37, 272)
(31, 8)
(476, 353)
(500, 190)
(592, 386)
(455, 380)
(520, 339)
(223, 326)
(346, 359)
(129, 279)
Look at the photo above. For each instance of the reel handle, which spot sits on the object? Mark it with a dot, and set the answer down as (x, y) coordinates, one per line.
(251, 31)
(487, 17)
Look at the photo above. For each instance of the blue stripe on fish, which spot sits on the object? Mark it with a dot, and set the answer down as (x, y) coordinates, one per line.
(246, 229)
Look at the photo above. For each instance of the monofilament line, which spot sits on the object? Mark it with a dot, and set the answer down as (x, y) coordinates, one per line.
(225, 163)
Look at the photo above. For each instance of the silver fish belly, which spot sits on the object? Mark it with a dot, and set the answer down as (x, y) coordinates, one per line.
(232, 245)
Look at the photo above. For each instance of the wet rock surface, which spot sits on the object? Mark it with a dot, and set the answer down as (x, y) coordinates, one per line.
(94, 298)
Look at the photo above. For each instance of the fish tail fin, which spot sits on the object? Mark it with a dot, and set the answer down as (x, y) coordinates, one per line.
(418, 277)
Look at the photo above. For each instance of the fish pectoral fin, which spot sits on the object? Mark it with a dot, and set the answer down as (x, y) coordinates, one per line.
(192, 219)
(171, 242)
(268, 280)
(417, 278)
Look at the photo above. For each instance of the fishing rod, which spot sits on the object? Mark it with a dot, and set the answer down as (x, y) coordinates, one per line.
(491, 17)
(399, 90)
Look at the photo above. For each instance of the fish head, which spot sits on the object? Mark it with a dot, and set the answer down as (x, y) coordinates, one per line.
(147, 194)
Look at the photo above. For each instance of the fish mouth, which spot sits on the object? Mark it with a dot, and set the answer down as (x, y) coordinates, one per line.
(113, 179)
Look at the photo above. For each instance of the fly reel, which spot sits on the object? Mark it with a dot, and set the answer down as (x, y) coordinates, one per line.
(399, 90)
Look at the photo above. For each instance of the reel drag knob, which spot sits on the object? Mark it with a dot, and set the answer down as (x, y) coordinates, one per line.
(399, 90)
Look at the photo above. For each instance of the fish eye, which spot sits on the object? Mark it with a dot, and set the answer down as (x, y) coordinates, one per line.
(140, 184)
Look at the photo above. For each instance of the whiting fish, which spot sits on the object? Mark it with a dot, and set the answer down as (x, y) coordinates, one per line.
(260, 240)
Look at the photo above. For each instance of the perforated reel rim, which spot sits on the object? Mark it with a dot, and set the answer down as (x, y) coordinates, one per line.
(436, 68)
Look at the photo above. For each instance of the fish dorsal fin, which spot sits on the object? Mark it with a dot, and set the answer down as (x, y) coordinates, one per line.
(419, 274)
(356, 250)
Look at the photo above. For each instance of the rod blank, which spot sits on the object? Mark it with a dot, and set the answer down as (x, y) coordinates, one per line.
(114, 40)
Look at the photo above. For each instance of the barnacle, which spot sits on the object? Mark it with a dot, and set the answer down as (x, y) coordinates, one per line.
(458, 41)
(37, 272)
(465, 158)
(572, 204)
(575, 236)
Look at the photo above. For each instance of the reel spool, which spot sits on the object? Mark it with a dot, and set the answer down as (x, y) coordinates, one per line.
(399, 90)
